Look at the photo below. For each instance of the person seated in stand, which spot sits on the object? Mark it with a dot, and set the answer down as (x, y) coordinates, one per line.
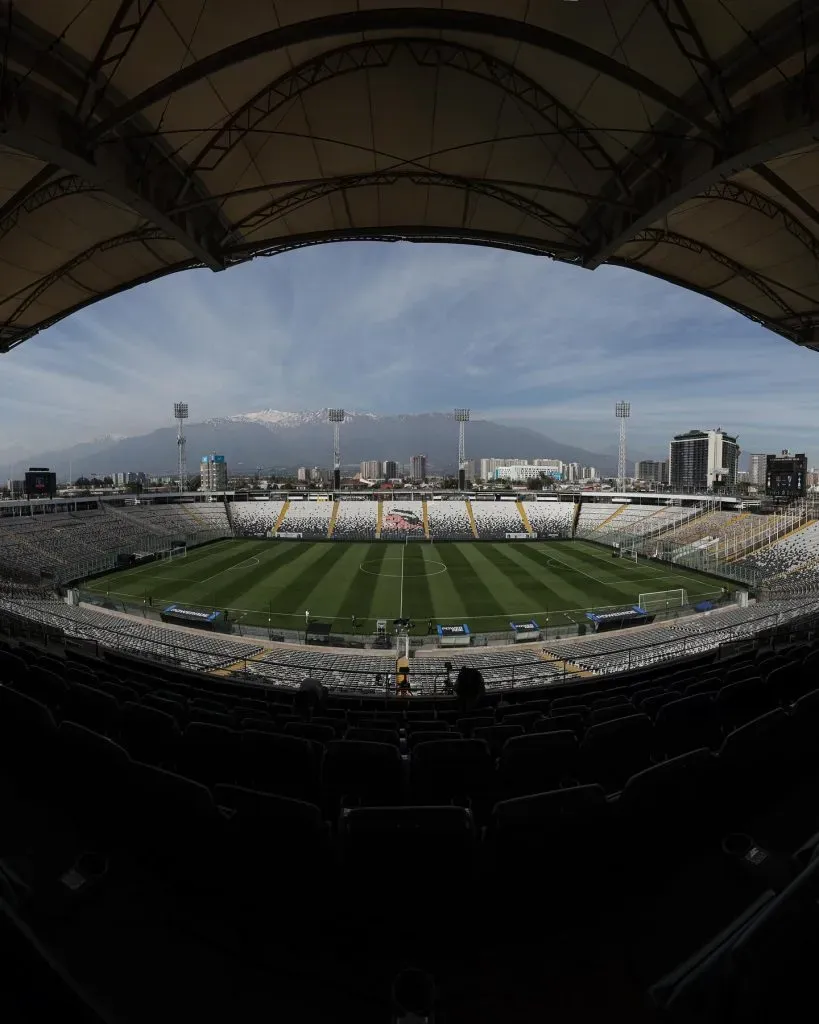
(470, 688)
(403, 685)
(311, 697)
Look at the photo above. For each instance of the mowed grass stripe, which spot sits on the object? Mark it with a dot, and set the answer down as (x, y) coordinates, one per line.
(418, 602)
(295, 597)
(569, 589)
(252, 586)
(446, 602)
(357, 597)
(514, 590)
(476, 596)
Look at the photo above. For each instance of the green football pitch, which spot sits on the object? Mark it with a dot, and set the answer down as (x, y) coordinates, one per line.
(272, 583)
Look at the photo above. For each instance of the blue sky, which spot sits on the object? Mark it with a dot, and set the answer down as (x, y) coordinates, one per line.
(406, 328)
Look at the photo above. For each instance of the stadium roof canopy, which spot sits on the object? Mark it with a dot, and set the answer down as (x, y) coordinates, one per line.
(141, 137)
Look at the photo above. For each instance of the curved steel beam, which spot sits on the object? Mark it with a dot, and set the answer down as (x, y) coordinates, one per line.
(283, 205)
(37, 121)
(730, 191)
(769, 126)
(123, 30)
(34, 124)
(140, 235)
(808, 337)
(379, 53)
(402, 233)
(404, 19)
(660, 237)
(68, 185)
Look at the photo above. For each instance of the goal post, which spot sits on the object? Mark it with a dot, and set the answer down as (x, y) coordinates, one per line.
(178, 551)
(663, 600)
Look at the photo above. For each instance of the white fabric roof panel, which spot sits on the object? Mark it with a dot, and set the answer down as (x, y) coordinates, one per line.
(144, 137)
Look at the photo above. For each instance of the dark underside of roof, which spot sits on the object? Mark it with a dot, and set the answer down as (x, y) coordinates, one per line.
(142, 137)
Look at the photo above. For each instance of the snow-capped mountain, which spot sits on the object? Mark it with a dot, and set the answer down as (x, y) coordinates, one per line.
(272, 439)
(276, 418)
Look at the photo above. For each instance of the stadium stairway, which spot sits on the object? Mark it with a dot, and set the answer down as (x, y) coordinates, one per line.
(524, 518)
(471, 515)
(614, 515)
(380, 520)
(282, 516)
(333, 518)
(426, 519)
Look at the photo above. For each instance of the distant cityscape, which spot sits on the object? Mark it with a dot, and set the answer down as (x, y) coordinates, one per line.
(699, 461)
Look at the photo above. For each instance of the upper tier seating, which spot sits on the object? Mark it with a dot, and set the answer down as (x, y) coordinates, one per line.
(494, 519)
(402, 518)
(550, 517)
(593, 514)
(449, 520)
(796, 557)
(634, 520)
(309, 518)
(59, 542)
(255, 518)
(356, 520)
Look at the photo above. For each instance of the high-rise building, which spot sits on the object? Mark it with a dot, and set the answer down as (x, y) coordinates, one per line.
(213, 473)
(652, 472)
(757, 468)
(699, 459)
(418, 468)
(302, 474)
(371, 470)
(390, 469)
(786, 476)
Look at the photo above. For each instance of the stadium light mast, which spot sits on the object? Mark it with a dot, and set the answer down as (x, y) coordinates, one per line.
(622, 411)
(180, 414)
(336, 417)
(461, 417)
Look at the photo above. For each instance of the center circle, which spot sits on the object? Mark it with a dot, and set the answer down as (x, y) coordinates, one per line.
(397, 575)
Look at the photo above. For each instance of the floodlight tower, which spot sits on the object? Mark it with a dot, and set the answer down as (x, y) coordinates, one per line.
(461, 417)
(336, 417)
(622, 411)
(180, 414)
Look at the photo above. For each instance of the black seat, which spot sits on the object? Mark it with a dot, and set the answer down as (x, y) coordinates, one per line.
(208, 753)
(454, 770)
(268, 835)
(275, 763)
(359, 771)
(420, 844)
(432, 737)
(687, 724)
(359, 734)
(93, 773)
(149, 735)
(467, 725)
(28, 740)
(572, 722)
(612, 751)
(93, 708)
(562, 832)
(537, 763)
(310, 731)
(741, 702)
(525, 719)
(497, 735)
(666, 811)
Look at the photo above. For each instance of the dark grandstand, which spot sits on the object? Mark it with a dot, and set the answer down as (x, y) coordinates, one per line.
(636, 844)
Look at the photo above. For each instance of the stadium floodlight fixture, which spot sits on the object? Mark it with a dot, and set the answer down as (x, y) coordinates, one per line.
(180, 414)
(336, 417)
(462, 415)
(622, 411)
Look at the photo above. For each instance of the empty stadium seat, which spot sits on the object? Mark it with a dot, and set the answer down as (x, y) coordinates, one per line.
(275, 763)
(537, 762)
(450, 771)
(687, 724)
(612, 751)
(361, 772)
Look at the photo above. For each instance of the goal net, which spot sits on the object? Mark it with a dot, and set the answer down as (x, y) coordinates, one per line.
(177, 552)
(662, 600)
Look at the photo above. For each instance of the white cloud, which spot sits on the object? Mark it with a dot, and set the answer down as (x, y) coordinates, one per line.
(403, 328)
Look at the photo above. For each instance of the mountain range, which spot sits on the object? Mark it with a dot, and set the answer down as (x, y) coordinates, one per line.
(276, 440)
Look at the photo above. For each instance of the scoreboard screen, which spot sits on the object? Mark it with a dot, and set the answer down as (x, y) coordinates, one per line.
(40, 483)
